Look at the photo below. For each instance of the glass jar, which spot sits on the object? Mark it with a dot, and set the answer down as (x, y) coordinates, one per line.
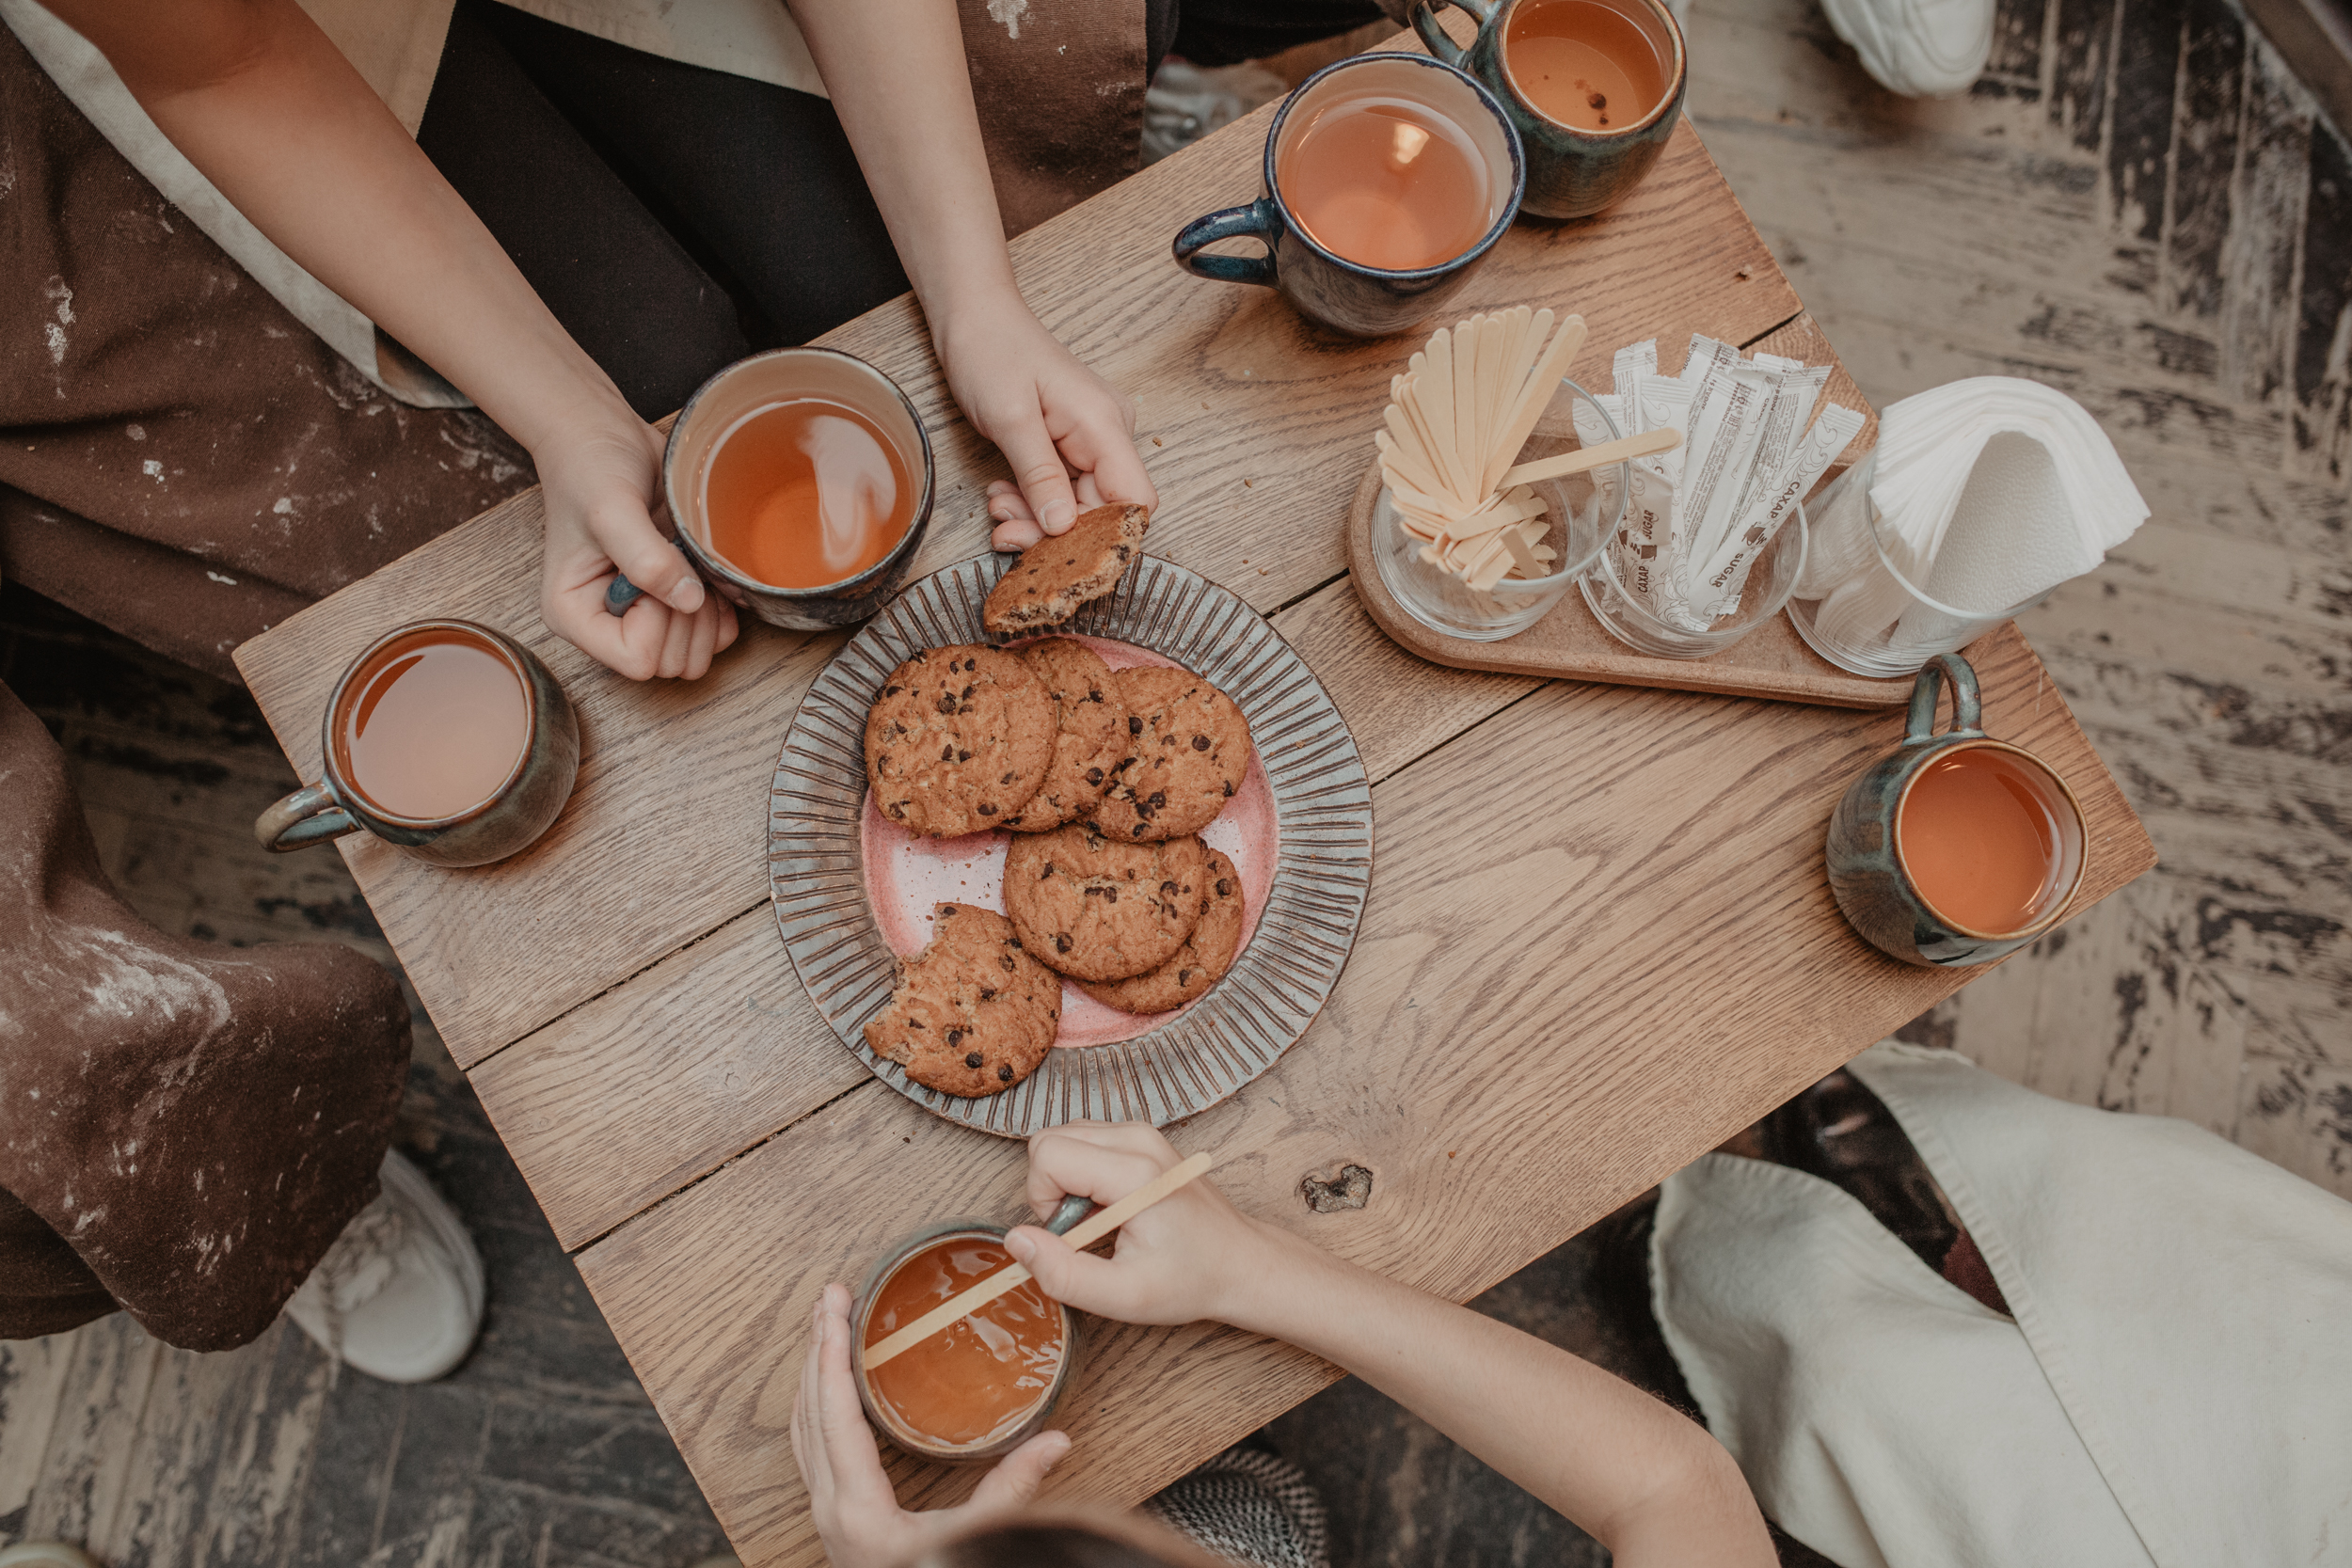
(1771, 576)
(1858, 604)
(1583, 512)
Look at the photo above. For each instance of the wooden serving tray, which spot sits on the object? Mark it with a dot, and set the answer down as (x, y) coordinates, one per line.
(1771, 661)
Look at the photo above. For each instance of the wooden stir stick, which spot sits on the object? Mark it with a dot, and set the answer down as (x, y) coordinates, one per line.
(1662, 439)
(1083, 1235)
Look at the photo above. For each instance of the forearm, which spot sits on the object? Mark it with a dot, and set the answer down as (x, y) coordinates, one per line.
(895, 70)
(1649, 1485)
(291, 135)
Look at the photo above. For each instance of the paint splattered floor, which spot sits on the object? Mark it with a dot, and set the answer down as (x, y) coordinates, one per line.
(2139, 206)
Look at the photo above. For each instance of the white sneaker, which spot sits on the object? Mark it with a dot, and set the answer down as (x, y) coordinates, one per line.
(1917, 48)
(45, 1554)
(399, 1294)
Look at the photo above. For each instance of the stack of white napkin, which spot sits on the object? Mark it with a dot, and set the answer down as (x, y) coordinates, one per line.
(1990, 492)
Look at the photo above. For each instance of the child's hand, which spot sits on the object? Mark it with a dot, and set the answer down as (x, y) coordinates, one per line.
(600, 482)
(1068, 434)
(850, 1497)
(1178, 1261)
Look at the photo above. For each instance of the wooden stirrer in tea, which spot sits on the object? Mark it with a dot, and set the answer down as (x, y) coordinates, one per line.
(1012, 1277)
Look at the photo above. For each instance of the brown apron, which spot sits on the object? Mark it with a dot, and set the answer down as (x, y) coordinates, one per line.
(189, 1124)
(184, 1128)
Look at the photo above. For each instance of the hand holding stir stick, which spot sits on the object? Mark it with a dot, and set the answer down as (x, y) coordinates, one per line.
(1012, 1277)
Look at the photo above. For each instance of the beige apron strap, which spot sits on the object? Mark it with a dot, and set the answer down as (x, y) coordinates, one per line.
(394, 44)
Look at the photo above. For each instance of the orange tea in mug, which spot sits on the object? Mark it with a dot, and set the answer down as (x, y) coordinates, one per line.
(1583, 64)
(1385, 181)
(435, 722)
(807, 492)
(974, 1381)
(800, 482)
(1979, 832)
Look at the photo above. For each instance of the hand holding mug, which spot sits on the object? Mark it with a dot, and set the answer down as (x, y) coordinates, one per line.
(849, 1496)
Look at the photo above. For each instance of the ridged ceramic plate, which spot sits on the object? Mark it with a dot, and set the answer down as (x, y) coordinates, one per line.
(1279, 982)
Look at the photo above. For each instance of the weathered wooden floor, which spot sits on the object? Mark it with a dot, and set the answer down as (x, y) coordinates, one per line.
(2139, 207)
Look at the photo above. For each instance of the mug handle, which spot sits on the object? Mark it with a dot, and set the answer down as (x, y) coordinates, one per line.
(309, 815)
(1968, 709)
(1258, 221)
(1443, 47)
(1072, 1209)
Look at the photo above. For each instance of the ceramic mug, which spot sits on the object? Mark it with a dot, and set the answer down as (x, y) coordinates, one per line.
(723, 401)
(1072, 1209)
(1348, 297)
(502, 824)
(1867, 871)
(1571, 173)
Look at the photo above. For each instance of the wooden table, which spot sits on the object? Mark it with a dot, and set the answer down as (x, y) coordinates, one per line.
(1598, 941)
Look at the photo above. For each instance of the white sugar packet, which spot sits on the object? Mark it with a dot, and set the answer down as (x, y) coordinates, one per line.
(1643, 401)
(1756, 439)
(1828, 436)
(1727, 400)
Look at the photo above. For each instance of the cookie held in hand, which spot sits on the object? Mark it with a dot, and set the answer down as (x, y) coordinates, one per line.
(1198, 964)
(959, 740)
(1097, 909)
(1091, 738)
(973, 1014)
(1062, 571)
(1187, 751)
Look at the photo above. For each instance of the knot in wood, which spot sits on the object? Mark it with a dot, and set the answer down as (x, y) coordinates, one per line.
(1350, 1189)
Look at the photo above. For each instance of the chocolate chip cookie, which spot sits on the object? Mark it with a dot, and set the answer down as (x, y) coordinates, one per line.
(1058, 574)
(959, 740)
(1187, 751)
(1198, 964)
(973, 1013)
(1091, 738)
(1098, 909)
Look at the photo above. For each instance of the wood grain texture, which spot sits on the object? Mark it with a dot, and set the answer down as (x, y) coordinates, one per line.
(1771, 661)
(33, 1374)
(1638, 956)
(1255, 426)
(622, 1101)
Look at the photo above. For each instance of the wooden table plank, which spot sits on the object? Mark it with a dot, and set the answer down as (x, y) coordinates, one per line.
(1554, 1003)
(1231, 387)
(619, 1104)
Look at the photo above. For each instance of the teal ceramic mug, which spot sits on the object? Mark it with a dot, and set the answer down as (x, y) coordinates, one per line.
(520, 800)
(1955, 849)
(1572, 173)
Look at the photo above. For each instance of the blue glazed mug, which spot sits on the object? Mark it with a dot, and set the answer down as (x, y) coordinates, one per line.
(1571, 173)
(1329, 289)
(1870, 872)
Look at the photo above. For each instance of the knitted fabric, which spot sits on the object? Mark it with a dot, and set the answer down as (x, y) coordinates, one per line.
(1249, 1507)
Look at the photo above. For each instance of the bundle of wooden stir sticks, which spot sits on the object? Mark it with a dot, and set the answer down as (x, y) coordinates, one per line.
(1457, 416)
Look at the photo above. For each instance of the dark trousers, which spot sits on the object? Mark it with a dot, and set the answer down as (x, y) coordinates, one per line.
(674, 218)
